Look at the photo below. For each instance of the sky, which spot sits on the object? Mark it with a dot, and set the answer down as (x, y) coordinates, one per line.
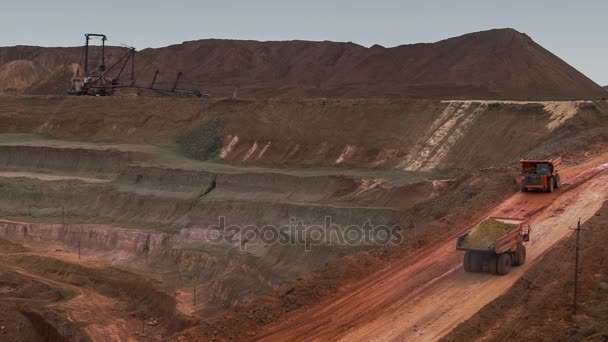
(576, 31)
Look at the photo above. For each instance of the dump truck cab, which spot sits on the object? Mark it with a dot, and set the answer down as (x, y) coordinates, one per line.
(540, 174)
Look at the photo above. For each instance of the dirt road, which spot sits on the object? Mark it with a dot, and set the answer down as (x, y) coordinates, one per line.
(48, 177)
(425, 300)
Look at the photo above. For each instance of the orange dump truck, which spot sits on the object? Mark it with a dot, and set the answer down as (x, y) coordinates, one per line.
(495, 245)
(540, 174)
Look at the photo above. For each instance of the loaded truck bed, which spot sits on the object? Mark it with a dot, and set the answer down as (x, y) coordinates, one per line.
(495, 245)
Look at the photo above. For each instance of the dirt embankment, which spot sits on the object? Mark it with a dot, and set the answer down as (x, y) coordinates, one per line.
(495, 64)
(186, 221)
(170, 211)
(539, 305)
(145, 206)
(77, 162)
(63, 298)
(16, 319)
(415, 135)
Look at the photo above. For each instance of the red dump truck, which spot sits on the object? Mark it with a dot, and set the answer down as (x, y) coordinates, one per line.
(495, 245)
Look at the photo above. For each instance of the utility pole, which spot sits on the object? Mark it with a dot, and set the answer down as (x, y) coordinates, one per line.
(576, 265)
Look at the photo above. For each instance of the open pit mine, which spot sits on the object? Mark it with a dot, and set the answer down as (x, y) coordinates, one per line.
(312, 191)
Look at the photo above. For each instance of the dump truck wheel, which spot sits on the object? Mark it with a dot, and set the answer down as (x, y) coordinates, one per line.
(550, 186)
(466, 263)
(492, 264)
(558, 183)
(476, 262)
(503, 264)
(520, 256)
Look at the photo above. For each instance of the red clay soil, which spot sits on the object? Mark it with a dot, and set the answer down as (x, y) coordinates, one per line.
(539, 306)
(14, 326)
(20, 296)
(495, 64)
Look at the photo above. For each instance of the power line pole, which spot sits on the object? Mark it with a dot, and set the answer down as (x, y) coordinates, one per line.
(576, 265)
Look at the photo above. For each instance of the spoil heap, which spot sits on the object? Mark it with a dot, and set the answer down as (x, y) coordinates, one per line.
(494, 64)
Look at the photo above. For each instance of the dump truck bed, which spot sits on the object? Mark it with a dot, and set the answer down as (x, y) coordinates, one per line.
(556, 162)
(495, 239)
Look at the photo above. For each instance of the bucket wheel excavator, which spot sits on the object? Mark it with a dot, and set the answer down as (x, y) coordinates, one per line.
(104, 80)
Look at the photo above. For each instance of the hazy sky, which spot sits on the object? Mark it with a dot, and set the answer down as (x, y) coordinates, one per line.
(577, 31)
